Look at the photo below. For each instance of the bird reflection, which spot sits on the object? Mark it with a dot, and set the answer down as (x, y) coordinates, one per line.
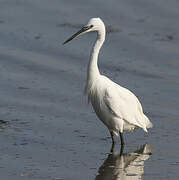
(124, 166)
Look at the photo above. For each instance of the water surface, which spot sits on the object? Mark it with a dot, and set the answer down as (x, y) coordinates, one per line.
(47, 129)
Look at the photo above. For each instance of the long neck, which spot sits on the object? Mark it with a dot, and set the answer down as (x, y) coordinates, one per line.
(93, 70)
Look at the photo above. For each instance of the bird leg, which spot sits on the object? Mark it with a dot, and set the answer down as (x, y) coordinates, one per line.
(122, 139)
(122, 149)
(112, 136)
(113, 141)
(122, 143)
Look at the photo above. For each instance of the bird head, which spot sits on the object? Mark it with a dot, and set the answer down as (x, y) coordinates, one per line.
(94, 24)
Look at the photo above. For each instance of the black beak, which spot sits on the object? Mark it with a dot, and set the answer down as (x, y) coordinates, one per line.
(85, 28)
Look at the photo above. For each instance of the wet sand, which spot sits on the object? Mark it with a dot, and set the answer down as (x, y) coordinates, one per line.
(47, 129)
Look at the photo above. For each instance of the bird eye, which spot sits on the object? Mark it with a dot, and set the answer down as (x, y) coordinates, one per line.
(85, 28)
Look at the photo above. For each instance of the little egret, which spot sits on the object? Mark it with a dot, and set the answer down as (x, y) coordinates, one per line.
(117, 107)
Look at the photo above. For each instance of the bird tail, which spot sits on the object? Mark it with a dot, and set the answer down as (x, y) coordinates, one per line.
(147, 122)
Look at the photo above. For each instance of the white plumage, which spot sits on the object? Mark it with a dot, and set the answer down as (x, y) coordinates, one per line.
(117, 107)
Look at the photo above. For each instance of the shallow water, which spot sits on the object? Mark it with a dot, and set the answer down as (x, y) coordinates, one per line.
(47, 130)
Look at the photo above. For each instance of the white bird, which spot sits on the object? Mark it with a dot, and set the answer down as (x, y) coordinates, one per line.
(117, 107)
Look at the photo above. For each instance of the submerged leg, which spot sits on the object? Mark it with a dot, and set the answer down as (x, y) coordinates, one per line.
(113, 141)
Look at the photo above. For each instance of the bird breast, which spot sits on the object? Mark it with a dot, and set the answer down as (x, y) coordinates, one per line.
(96, 94)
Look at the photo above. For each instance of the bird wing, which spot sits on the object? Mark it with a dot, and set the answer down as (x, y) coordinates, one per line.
(124, 104)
